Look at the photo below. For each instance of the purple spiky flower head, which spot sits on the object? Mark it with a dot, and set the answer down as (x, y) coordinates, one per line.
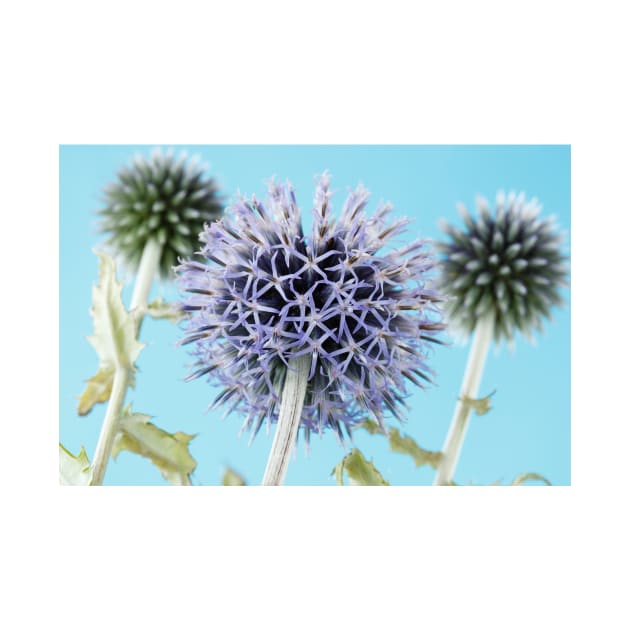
(268, 293)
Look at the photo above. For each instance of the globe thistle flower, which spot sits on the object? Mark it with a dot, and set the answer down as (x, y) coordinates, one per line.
(153, 213)
(165, 199)
(503, 274)
(268, 294)
(507, 265)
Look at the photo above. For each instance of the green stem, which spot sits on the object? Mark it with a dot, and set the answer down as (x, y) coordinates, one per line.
(291, 403)
(122, 375)
(470, 386)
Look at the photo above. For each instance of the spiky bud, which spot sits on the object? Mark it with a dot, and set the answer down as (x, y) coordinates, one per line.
(269, 294)
(162, 198)
(508, 264)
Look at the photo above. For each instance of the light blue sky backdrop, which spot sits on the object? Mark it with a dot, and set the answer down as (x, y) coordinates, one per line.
(528, 428)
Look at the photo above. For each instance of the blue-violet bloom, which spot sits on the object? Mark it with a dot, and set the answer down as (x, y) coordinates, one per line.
(268, 293)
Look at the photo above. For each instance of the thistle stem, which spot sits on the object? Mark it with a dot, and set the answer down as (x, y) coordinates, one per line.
(110, 425)
(291, 403)
(122, 375)
(144, 278)
(470, 386)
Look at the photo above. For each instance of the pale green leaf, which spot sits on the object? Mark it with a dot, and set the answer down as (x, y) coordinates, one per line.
(74, 470)
(360, 472)
(481, 406)
(407, 446)
(97, 390)
(337, 471)
(168, 451)
(523, 477)
(114, 337)
(232, 478)
(159, 309)
(370, 426)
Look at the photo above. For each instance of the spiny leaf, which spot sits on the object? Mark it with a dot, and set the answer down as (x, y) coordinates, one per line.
(360, 472)
(519, 480)
(74, 470)
(481, 406)
(232, 478)
(97, 390)
(408, 446)
(159, 309)
(371, 427)
(168, 451)
(114, 337)
(405, 445)
(337, 471)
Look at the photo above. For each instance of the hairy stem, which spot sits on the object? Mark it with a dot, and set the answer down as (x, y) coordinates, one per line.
(470, 386)
(291, 403)
(122, 376)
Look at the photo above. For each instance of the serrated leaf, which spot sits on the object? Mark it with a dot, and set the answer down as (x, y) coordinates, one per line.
(97, 390)
(168, 451)
(74, 470)
(337, 471)
(159, 309)
(360, 472)
(232, 478)
(371, 427)
(114, 337)
(481, 406)
(408, 446)
(519, 480)
(405, 445)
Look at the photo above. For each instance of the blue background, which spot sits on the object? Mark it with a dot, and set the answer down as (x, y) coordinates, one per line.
(528, 428)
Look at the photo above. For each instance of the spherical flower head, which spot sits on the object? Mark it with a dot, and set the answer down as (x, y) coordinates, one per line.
(508, 265)
(268, 293)
(163, 198)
